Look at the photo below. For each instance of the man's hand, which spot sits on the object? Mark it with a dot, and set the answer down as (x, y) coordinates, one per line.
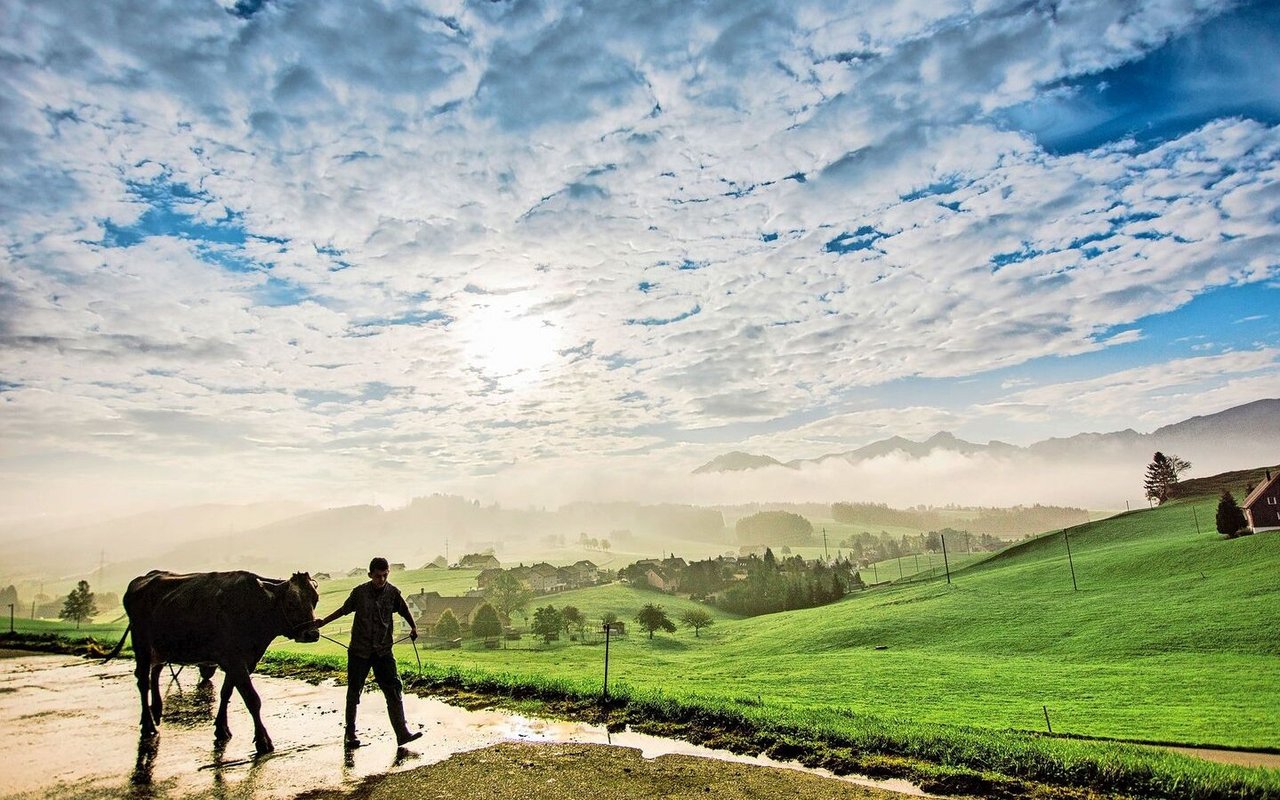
(413, 634)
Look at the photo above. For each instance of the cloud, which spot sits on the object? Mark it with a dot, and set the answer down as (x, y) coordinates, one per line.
(405, 244)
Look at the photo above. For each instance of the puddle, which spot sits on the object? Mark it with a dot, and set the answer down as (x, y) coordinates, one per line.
(71, 729)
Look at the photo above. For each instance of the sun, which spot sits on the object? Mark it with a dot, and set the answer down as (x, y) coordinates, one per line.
(507, 343)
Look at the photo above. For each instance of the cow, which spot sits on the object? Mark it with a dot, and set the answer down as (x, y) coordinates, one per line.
(225, 619)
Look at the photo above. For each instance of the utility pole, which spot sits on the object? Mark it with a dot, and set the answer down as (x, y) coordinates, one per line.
(825, 551)
(1065, 538)
(944, 557)
(11, 618)
(607, 629)
(1196, 517)
(875, 573)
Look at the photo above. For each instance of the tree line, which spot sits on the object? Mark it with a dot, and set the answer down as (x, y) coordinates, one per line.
(1015, 521)
(753, 585)
(867, 547)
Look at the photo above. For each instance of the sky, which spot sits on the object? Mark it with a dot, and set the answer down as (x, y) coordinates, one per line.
(533, 252)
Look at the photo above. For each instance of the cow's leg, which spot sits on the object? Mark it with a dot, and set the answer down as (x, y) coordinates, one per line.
(141, 671)
(254, 703)
(221, 730)
(157, 701)
(206, 675)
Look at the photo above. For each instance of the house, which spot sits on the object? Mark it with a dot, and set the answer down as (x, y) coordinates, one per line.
(486, 577)
(428, 606)
(544, 578)
(322, 576)
(417, 602)
(397, 566)
(579, 574)
(1262, 506)
(662, 579)
(478, 561)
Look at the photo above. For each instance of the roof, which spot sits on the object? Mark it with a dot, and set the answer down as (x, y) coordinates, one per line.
(462, 607)
(1260, 490)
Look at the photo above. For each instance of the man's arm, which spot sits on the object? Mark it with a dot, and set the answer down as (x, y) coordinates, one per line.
(342, 610)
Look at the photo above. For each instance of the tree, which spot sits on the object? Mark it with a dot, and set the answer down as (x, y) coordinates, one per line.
(486, 624)
(573, 618)
(1162, 474)
(1230, 518)
(447, 626)
(508, 594)
(778, 527)
(697, 619)
(932, 542)
(653, 618)
(547, 622)
(79, 605)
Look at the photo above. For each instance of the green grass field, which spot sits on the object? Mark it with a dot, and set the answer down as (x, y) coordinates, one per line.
(1170, 637)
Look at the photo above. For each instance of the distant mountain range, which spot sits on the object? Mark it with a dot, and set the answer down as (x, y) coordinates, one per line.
(1255, 425)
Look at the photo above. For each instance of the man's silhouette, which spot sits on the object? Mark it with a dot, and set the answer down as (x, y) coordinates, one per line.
(374, 603)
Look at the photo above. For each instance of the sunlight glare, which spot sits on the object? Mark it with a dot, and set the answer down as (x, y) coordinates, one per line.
(507, 344)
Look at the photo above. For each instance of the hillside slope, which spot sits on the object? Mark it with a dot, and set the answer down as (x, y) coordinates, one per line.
(1170, 637)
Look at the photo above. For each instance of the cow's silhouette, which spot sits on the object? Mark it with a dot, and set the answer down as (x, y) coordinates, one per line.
(206, 618)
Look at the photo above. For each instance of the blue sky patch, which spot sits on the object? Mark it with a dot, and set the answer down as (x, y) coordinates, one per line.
(1224, 68)
(650, 321)
(864, 238)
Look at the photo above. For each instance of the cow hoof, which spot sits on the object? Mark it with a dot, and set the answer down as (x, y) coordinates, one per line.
(221, 736)
(264, 746)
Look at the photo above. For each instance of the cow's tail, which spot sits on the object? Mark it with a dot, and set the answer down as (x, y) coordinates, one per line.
(115, 651)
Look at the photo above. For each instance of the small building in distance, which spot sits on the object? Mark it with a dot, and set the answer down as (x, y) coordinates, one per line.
(1262, 506)
(427, 607)
(478, 561)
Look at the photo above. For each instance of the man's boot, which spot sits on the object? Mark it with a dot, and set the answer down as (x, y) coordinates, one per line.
(350, 739)
(395, 710)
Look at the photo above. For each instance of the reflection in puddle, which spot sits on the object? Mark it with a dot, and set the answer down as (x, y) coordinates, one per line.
(96, 706)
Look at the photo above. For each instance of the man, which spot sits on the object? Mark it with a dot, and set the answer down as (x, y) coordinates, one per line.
(373, 603)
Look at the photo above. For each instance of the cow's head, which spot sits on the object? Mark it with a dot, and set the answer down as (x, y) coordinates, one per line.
(298, 598)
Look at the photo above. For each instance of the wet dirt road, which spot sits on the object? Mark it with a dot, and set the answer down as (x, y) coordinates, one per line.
(71, 731)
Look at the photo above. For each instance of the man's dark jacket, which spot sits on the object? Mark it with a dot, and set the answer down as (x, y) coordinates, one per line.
(375, 611)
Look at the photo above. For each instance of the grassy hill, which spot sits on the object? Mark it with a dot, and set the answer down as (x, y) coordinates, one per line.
(1170, 637)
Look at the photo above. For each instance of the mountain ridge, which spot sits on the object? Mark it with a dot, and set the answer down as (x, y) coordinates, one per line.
(1252, 422)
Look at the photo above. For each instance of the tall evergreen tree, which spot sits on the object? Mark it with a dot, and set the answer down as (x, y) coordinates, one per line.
(1230, 518)
(1162, 474)
(448, 627)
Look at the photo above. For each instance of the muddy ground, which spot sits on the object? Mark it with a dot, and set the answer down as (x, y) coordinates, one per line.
(519, 770)
(71, 731)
